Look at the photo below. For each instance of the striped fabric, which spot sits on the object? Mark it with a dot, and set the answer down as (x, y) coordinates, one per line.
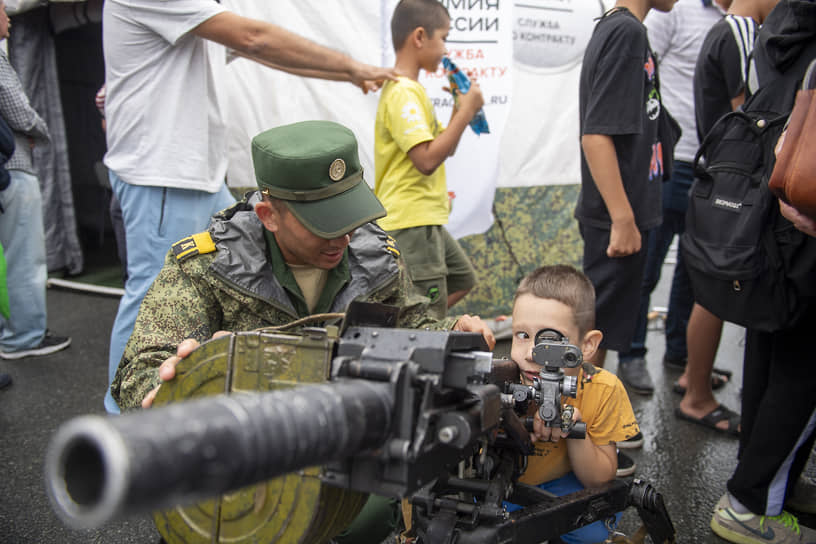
(744, 30)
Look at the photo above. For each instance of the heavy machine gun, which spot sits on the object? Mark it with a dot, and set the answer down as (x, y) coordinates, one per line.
(418, 414)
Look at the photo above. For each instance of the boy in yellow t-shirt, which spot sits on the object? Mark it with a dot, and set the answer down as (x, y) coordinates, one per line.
(410, 147)
(562, 299)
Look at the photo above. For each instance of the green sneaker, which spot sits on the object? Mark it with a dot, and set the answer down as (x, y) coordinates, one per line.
(753, 529)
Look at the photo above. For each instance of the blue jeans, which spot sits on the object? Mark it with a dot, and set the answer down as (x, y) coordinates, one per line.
(681, 298)
(594, 532)
(23, 239)
(154, 218)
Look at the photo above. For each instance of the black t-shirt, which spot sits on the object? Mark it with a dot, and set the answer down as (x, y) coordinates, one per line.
(618, 97)
(721, 67)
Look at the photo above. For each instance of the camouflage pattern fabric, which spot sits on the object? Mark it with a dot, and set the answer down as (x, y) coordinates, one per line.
(534, 226)
(233, 288)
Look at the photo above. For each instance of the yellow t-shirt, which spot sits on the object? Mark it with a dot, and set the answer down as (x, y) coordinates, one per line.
(608, 414)
(405, 118)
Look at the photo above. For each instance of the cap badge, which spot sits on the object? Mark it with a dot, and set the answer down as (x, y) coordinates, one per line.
(337, 169)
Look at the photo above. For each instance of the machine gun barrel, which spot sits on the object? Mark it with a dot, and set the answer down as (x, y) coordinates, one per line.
(98, 468)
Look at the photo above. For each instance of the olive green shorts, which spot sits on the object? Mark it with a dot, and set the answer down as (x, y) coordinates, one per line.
(436, 262)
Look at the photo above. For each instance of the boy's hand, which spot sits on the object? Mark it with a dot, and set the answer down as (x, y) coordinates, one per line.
(167, 370)
(800, 221)
(471, 101)
(624, 239)
(543, 433)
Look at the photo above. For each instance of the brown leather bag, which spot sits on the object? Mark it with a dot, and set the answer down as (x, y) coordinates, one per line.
(794, 175)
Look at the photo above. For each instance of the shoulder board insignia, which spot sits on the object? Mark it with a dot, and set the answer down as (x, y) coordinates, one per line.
(391, 246)
(197, 244)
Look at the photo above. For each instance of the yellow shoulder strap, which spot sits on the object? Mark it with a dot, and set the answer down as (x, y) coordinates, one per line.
(391, 246)
(197, 244)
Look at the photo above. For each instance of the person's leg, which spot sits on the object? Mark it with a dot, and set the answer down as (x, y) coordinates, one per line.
(592, 533)
(779, 416)
(461, 277)
(23, 239)
(681, 298)
(651, 276)
(779, 423)
(704, 330)
(154, 218)
(617, 283)
(118, 224)
(423, 249)
(657, 242)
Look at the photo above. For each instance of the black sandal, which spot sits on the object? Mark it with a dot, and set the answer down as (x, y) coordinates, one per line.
(710, 420)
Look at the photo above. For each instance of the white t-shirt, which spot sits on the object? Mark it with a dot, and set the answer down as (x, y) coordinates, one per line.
(676, 38)
(164, 125)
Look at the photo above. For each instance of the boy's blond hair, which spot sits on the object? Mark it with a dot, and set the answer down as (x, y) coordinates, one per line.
(431, 15)
(566, 285)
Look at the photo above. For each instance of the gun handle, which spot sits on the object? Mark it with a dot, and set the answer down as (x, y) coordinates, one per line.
(578, 430)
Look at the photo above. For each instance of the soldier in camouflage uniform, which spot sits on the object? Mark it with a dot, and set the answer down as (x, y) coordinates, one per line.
(304, 244)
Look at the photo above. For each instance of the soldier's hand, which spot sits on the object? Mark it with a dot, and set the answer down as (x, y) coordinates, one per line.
(167, 370)
(473, 323)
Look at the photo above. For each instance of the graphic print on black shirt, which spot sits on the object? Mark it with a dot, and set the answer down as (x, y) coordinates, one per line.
(618, 97)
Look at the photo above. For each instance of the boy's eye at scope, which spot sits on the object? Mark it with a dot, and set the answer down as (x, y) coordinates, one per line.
(552, 349)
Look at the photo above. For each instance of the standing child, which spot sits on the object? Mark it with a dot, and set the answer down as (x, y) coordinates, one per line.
(410, 148)
(562, 299)
(621, 171)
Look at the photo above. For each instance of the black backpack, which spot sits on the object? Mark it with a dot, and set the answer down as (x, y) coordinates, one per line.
(747, 264)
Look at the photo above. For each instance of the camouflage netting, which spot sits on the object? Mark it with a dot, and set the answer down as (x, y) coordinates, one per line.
(533, 226)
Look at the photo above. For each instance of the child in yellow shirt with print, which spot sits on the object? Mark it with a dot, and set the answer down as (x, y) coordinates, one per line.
(410, 147)
(562, 299)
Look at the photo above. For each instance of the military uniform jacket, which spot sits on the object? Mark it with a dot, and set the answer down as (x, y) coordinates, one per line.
(225, 281)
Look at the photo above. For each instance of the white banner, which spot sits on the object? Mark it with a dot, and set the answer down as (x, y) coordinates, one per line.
(480, 40)
(255, 98)
(549, 38)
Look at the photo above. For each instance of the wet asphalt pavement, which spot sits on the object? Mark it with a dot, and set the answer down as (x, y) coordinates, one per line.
(686, 463)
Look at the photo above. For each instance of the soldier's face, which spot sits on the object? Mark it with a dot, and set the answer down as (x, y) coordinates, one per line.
(298, 245)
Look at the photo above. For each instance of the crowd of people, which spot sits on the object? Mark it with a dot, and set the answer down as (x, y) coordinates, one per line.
(315, 236)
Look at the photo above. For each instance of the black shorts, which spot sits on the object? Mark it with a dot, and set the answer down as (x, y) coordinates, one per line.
(617, 284)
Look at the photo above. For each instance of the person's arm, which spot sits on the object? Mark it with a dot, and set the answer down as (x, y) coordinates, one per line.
(737, 101)
(15, 106)
(593, 465)
(624, 237)
(286, 50)
(174, 309)
(167, 370)
(365, 85)
(428, 156)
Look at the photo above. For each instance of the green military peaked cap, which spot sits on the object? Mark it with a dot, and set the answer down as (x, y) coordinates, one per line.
(313, 167)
